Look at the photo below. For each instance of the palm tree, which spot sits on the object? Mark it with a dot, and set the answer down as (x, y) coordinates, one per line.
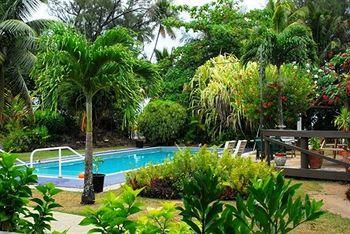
(329, 22)
(68, 59)
(159, 12)
(283, 42)
(17, 37)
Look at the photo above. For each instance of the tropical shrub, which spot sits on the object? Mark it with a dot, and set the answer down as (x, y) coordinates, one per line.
(53, 121)
(25, 139)
(202, 206)
(162, 122)
(271, 207)
(161, 220)
(167, 180)
(225, 94)
(42, 213)
(114, 216)
(15, 195)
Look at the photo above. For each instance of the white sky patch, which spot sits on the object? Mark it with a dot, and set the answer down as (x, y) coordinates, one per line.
(43, 13)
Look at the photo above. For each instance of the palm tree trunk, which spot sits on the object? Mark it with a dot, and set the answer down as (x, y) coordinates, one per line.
(156, 43)
(262, 68)
(2, 94)
(280, 94)
(88, 196)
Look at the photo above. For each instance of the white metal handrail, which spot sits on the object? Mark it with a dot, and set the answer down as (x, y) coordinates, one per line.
(59, 156)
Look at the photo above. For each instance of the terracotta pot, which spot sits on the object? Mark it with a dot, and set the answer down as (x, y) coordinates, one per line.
(315, 162)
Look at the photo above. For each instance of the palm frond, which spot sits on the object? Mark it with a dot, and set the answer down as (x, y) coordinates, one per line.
(16, 28)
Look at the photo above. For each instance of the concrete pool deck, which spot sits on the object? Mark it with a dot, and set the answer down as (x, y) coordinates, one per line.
(76, 184)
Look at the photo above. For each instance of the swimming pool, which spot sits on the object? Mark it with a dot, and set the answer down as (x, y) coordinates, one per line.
(113, 162)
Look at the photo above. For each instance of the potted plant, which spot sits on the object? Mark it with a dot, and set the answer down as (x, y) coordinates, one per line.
(280, 157)
(97, 178)
(342, 122)
(315, 146)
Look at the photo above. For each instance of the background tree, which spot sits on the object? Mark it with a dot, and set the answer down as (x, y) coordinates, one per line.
(92, 17)
(329, 22)
(285, 42)
(161, 11)
(17, 37)
(108, 63)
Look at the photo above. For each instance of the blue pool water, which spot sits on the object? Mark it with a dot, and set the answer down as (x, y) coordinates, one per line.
(113, 162)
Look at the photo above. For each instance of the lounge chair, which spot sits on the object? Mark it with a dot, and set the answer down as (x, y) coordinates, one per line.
(240, 147)
(230, 146)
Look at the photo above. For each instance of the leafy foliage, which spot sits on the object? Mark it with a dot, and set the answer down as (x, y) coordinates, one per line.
(161, 220)
(114, 215)
(225, 94)
(201, 202)
(270, 207)
(315, 143)
(42, 214)
(26, 139)
(53, 121)
(15, 195)
(162, 122)
(167, 180)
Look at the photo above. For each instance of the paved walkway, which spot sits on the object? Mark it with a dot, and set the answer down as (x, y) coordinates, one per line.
(68, 222)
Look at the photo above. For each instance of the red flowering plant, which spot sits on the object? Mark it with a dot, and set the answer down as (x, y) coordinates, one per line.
(333, 81)
(297, 90)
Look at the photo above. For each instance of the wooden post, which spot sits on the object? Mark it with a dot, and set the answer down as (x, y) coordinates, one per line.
(304, 143)
(267, 151)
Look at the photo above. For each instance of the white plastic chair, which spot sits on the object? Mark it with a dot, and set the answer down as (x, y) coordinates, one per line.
(240, 148)
(230, 146)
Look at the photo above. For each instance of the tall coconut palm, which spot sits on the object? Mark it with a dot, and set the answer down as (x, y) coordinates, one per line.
(68, 59)
(17, 37)
(283, 42)
(160, 12)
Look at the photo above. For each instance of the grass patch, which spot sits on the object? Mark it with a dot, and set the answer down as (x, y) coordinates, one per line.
(328, 223)
(51, 154)
(307, 187)
(71, 201)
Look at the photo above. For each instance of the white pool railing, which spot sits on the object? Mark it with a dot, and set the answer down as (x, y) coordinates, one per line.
(60, 148)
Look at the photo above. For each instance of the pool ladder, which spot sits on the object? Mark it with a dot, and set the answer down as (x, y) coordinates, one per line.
(60, 148)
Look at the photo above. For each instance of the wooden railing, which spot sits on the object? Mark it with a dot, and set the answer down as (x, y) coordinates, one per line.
(303, 137)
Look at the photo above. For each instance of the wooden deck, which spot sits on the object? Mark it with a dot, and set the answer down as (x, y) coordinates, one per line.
(328, 171)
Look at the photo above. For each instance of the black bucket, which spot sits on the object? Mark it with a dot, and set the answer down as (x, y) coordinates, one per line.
(98, 182)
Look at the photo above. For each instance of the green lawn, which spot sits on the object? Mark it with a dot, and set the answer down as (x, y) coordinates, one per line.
(51, 154)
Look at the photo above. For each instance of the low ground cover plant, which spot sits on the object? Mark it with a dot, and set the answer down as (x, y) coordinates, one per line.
(15, 195)
(167, 180)
(271, 207)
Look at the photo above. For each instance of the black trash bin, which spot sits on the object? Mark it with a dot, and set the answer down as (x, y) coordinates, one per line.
(98, 182)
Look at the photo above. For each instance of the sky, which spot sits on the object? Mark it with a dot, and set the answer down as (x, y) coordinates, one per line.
(168, 43)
